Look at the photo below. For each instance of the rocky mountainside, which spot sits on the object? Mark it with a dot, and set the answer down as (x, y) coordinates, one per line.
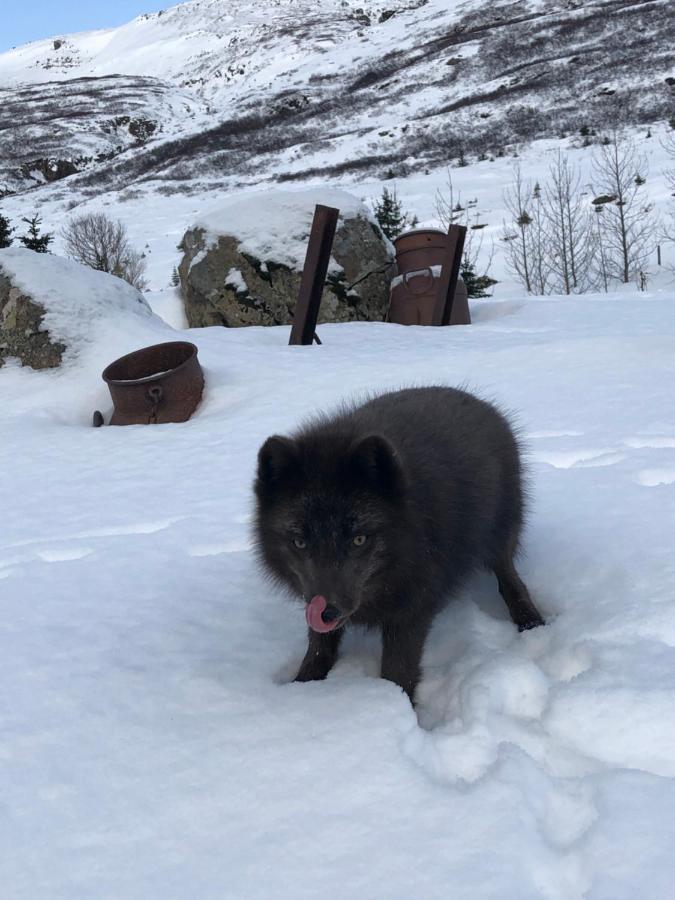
(285, 89)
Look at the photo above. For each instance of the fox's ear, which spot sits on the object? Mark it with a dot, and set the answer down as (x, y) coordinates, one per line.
(376, 459)
(277, 456)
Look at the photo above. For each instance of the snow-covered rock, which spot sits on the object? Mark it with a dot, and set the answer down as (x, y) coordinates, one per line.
(243, 260)
(51, 308)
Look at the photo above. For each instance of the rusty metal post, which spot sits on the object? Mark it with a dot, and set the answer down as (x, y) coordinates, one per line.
(447, 283)
(314, 275)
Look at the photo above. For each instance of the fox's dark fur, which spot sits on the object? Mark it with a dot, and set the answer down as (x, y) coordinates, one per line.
(432, 478)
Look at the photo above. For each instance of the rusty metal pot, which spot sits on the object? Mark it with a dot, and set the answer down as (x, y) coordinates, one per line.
(157, 384)
(413, 298)
(419, 248)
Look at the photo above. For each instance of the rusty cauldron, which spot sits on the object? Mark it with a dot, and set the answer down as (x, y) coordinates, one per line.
(157, 384)
(419, 258)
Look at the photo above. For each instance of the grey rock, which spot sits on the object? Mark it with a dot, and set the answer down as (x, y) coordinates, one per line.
(21, 331)
(359, 293)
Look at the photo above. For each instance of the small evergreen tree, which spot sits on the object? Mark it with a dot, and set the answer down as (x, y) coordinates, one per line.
(5, 232)
(390, 216)
(175, 277)
(476, 285)
(34, 240)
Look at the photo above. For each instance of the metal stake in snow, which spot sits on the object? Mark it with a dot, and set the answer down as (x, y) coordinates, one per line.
(314, 275)
(447, 283)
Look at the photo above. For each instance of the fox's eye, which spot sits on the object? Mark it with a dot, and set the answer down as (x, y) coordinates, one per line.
(359, 540)
(299, 543)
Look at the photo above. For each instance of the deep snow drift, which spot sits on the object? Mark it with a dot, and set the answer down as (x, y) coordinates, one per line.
(151, 745)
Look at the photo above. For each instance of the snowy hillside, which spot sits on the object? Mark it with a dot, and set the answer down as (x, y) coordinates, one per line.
(344, 86)
(152, 746)
(51, 131)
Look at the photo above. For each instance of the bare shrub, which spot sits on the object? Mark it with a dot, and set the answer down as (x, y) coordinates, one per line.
(570, 236)
(450, 211)
(526, 236)
(550, 241)
(668, 230)
(516, 236)
(629, 223)
(101, 243)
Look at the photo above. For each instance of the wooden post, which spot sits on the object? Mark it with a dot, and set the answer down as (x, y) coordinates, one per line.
(447, 283)
(314, 273)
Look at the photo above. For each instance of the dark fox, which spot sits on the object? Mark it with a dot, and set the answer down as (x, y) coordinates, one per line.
(374, 516)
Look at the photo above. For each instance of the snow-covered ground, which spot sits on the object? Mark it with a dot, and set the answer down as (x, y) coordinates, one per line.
(151, 745)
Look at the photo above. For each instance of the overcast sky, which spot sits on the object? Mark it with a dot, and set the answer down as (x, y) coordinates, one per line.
(29, 21)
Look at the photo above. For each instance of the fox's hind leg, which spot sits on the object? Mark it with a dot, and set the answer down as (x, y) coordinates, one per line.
(322, 651)
(516, 596)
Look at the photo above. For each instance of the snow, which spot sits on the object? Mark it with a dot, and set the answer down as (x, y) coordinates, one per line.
(78, 301)
(152, 745)
(235, 279)
(274, 225)
(168, 305)
(427, 271)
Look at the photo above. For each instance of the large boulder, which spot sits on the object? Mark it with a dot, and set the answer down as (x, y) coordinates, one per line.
(50, 307)
(242, 261)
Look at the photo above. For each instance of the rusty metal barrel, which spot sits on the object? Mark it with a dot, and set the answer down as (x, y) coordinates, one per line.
(161, 383)
(413, 298)
(419, 257)
(419, 248)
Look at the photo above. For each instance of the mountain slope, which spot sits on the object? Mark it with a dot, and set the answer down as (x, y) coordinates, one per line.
(346, 86)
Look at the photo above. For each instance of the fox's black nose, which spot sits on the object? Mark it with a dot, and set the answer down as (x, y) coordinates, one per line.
(330, 614)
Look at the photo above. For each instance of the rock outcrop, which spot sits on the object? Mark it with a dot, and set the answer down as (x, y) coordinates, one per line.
(242, 263)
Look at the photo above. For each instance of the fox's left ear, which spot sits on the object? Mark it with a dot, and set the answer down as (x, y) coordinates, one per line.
(376, 459)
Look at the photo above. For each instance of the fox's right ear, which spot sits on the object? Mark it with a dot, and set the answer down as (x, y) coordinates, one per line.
(277, 456)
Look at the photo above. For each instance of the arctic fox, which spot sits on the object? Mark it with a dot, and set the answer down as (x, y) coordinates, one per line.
(375, 515)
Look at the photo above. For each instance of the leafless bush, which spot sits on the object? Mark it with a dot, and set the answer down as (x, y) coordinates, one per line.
(527, 254)
(549, 239)
(568, 228)
(133, 270)
(668, 232)
(557, 242)
(450, 211)
(619, 173)
(101, 243)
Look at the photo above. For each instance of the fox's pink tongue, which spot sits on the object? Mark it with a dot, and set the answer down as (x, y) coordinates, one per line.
(313, 612)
